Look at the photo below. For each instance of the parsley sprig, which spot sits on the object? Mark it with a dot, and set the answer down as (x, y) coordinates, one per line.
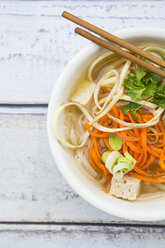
(131, 107)
(143, 82)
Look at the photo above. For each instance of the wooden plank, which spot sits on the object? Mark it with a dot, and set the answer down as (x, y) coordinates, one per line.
(61, 236)
(31, 188)
(36, 43)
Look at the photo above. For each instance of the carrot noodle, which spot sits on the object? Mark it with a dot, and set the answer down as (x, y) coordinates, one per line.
(144, 146)
(136, 131)
(162, 162)
(96, 147)
(149, 162)
(135, 142)
(91, 158)
(107, 144)
(99, 164)
(153, 134)
(133, 147)
(127, 138)
(147, 179)
(94, 134)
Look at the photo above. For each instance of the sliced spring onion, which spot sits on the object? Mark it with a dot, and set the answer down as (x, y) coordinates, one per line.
(117, 164)
(120, 170)
(124, 160)
(115, 142)
(112, 159)
(105, 156)
(132, 160)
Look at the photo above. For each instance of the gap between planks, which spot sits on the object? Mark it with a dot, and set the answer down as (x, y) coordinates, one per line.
(97, 224)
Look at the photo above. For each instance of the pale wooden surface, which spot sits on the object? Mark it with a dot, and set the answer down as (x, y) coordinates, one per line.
(35, 45)
(62, 236)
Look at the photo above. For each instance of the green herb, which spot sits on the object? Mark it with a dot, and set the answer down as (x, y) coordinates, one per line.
(134, 88)
(148, 61)
(143, 82)
(159, 97)
(131, 107)
(134, 116)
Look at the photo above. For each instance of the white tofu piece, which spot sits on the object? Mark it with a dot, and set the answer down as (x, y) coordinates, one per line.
(127, 188)
(84, 92)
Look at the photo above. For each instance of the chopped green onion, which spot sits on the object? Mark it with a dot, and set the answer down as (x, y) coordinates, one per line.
(112, 160)
(105, 156)
(117, 164)
(124, 160)
(130, 158)
(115, 142)
(120, 170)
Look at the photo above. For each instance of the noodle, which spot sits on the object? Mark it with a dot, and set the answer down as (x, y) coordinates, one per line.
(141, 130)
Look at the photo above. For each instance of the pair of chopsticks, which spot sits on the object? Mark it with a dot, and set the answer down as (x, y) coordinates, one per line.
(119, 42)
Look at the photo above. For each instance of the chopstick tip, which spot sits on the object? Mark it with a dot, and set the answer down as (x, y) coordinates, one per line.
(80, 31)
(64, 13)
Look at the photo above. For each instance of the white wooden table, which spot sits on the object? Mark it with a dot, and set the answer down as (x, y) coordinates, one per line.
(37, 206)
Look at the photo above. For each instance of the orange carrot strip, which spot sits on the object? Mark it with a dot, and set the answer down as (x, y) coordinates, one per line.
(99, 164)
(144, 146)
(125, 148)
(157, 155)
(149, 162)
(91, 158)
(156, 149)
(162, 128)
(127, 138)
(104, 135)
(141, 172)
(139, 159)
(107, 144)
(158, 172)
(154, 134)
(147, 179)
(96, 148)
(115, 111)
(136, 131)
(133, 147)
(162, 162)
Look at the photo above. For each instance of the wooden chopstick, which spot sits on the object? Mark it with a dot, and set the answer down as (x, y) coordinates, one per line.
(114, 39)
(119, 51)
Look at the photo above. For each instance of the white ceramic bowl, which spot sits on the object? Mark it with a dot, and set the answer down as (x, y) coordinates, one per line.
(141, 211)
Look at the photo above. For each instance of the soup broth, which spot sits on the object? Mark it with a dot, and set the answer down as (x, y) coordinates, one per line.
(89, 117)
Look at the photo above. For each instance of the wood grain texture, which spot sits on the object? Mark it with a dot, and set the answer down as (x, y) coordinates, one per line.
(36, 42)
(35, 45)
(60, 236)
(31, 188)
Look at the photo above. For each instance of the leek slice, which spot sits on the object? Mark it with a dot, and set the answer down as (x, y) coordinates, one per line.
(105, 156)
(115, 142)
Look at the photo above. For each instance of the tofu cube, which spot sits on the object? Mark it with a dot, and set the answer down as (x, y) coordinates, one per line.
(127, 188)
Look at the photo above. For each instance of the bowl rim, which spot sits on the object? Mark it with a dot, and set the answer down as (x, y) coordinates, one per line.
(130, 33)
